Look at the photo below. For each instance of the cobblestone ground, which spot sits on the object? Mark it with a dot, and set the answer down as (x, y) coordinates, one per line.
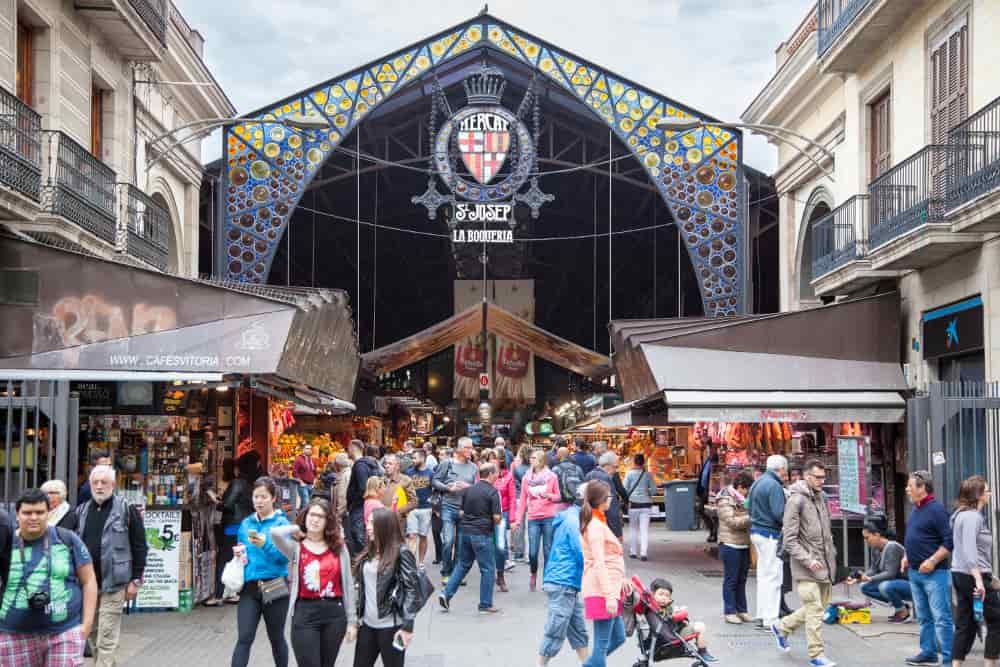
(462, 638)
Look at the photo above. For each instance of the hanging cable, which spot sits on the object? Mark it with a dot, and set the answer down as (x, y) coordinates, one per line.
(610, 274)
(357, 174)
(595, 262)
(314, 241)
(654, 260)
(375, 264)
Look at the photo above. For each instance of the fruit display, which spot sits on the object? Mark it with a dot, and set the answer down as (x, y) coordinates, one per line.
(290, 445)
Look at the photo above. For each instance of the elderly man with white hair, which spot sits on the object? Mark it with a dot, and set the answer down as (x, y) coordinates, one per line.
(61, 515)
(116, 539)
(766, 502)
(607, 472)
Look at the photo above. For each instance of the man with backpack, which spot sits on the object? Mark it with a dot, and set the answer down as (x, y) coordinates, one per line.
(570, 477)
(49, 603)
(363, 468)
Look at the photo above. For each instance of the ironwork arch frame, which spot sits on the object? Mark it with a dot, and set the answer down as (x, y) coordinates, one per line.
(819, 195)
(267, 166)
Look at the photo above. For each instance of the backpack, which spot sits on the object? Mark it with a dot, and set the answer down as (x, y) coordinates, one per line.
(570, 477)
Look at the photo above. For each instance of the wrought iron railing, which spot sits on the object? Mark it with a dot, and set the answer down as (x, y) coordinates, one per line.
(839, 236)
(974, 164)
(909, 195)
(834, 17)
(78, 186)
(20, 146)
(154, 13)
(146, 226)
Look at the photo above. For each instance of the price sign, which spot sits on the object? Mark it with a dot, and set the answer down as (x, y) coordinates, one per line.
(484, 381)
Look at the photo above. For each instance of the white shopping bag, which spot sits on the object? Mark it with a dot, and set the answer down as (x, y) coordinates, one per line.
(232, 576)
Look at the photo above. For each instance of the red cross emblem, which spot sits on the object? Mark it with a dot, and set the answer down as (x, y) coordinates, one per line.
(483, 152)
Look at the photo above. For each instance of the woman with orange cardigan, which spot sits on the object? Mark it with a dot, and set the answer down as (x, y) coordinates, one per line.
(604, 586)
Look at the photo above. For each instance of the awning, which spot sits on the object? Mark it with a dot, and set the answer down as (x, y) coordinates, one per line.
(688, 407)
(494, 319)
(74, 315)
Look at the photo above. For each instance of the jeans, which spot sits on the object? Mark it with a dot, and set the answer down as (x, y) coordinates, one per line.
(356, 536)
(815, 599)
(449, 538)
(436, 534)
(564, 621)
(894, 592)
(500, 537)
(539, 530)
(608, 636)
(768, 577)
(932, 601)
(248, 614)
(318, 629)
(373, 643)
(638, 518)
(735, 565)
(305, 492)
(965, 622)
(479, 549)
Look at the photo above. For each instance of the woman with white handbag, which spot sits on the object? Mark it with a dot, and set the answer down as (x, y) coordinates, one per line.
(265, 589)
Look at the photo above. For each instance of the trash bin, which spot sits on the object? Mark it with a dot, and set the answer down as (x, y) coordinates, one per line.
(679, 497)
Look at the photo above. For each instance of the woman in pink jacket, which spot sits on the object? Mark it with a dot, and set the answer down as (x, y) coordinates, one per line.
(604, 585)
(508, 501)
(539, 501)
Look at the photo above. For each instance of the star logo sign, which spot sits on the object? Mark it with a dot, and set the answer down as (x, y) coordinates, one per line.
(952, 334)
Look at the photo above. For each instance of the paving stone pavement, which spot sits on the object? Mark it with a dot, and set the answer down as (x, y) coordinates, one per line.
(463, 638)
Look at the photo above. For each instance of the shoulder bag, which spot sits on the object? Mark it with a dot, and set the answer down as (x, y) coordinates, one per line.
(272, 590)
(630, 491)
(437, 498)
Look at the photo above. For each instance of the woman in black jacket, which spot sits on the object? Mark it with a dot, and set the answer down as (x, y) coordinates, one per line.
(388, 594)
(237, 504)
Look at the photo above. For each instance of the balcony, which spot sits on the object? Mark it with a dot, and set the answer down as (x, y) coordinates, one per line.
(20, 158)
(79, 189)
(137, 28)
(146, 226)
(835, 237)
(973, 178)
(850, 31)
(908, 228)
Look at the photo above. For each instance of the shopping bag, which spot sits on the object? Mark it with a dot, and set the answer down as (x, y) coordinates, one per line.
(232, 576)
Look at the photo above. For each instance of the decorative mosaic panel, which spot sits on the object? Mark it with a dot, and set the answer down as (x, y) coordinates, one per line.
(698, 173)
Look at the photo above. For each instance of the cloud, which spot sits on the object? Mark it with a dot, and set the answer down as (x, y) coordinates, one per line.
(713, 55)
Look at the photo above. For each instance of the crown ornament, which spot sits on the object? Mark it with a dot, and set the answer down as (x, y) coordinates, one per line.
(485, 86)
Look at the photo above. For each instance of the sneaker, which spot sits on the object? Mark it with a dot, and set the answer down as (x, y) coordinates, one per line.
(643, 558)
(489, 610)
(706, 656)
(444, 602)
(509, 566)
(822, 661)
(745, 617)
(924, 659)
(532, 583)
(901, 616)
(632, 556)
(780, 639)
(734, 619)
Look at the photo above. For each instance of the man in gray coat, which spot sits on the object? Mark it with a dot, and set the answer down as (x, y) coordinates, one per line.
(808, 540)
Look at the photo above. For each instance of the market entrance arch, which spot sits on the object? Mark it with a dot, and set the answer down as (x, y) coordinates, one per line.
(698, 173)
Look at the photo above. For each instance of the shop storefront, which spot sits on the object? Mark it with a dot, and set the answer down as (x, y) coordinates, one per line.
(170, 377)
(745, 389)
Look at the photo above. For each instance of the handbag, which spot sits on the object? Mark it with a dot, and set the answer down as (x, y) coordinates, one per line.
(626, 505)
(272, 590)
(594, 608)
(437, 498)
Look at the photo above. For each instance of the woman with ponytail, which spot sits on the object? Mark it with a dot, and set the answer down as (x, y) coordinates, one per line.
(604, 585)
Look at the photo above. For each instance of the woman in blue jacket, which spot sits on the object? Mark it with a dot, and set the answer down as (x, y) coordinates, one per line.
(264, 564)
(561, 582)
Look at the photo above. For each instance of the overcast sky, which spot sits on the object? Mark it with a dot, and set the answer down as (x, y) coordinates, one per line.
(713, 55)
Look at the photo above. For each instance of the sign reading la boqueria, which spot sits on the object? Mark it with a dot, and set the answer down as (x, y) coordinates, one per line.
(482, 236)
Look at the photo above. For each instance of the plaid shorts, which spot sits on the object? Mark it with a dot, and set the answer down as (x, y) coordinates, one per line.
(18, 649)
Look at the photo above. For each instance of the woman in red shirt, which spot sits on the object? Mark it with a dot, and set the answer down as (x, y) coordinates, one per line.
(321, 584)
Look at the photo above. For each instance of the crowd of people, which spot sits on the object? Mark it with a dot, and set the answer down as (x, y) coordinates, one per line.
(346, 550)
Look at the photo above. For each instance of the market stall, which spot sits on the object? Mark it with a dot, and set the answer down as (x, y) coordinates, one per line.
(804, 385)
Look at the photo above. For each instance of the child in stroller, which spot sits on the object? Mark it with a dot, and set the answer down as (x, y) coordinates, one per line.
(664, 633)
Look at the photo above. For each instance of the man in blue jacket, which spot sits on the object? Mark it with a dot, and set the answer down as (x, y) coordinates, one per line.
(928, 547)
(766, 502)
(561, 582)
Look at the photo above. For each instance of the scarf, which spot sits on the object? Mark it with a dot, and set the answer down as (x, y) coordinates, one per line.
(599, 515)
(56, 515)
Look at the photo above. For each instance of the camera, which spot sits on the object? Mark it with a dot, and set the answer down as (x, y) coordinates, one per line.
(39, 601)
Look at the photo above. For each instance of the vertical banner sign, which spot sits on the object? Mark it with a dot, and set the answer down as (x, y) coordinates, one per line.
(471, 354)
(852, 466)
(515, 365)
(160, 587)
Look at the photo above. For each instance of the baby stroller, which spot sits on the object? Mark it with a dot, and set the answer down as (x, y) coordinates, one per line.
(658, 640)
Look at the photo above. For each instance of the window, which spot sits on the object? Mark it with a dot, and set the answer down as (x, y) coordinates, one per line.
(96, 121)
(880, 141)
(25, 64)
(18, 287)
(949, 69)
